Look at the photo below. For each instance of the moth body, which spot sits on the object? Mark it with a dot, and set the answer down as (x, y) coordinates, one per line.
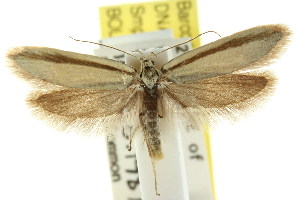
(149, 121)
(149, 117)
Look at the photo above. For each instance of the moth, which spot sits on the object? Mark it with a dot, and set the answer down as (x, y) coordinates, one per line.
(89, 93)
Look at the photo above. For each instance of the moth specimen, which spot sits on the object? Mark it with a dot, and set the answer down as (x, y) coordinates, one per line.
(95, 94)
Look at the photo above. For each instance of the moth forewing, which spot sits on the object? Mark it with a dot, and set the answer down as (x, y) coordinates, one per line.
(70, 69)
(251, 48)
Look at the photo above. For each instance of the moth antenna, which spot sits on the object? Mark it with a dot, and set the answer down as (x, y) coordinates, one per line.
(152, 54)
(104, 46)
(188, 41)
(142, 55)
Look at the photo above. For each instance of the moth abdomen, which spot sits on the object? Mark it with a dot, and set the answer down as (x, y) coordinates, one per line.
(149, 119)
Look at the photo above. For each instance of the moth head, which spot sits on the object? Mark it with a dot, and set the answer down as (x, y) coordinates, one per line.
(149, 75)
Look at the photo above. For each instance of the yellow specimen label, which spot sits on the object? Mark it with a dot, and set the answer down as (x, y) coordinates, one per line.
(178, 15)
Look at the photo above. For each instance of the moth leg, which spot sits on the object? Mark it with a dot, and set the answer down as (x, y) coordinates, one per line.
(128, 133)
(160, 108)
(142, 119)
(155, 177)
(132, 132)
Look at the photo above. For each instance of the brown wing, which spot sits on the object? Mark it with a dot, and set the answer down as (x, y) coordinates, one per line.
(228, 92)
(83, 103)
(82, 109)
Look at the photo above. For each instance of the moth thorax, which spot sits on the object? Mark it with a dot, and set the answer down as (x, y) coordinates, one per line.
(149, 74)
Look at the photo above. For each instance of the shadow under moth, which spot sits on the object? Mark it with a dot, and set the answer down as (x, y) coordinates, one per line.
(93, 94)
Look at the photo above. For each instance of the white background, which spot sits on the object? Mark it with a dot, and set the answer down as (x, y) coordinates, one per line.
(254, 158)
